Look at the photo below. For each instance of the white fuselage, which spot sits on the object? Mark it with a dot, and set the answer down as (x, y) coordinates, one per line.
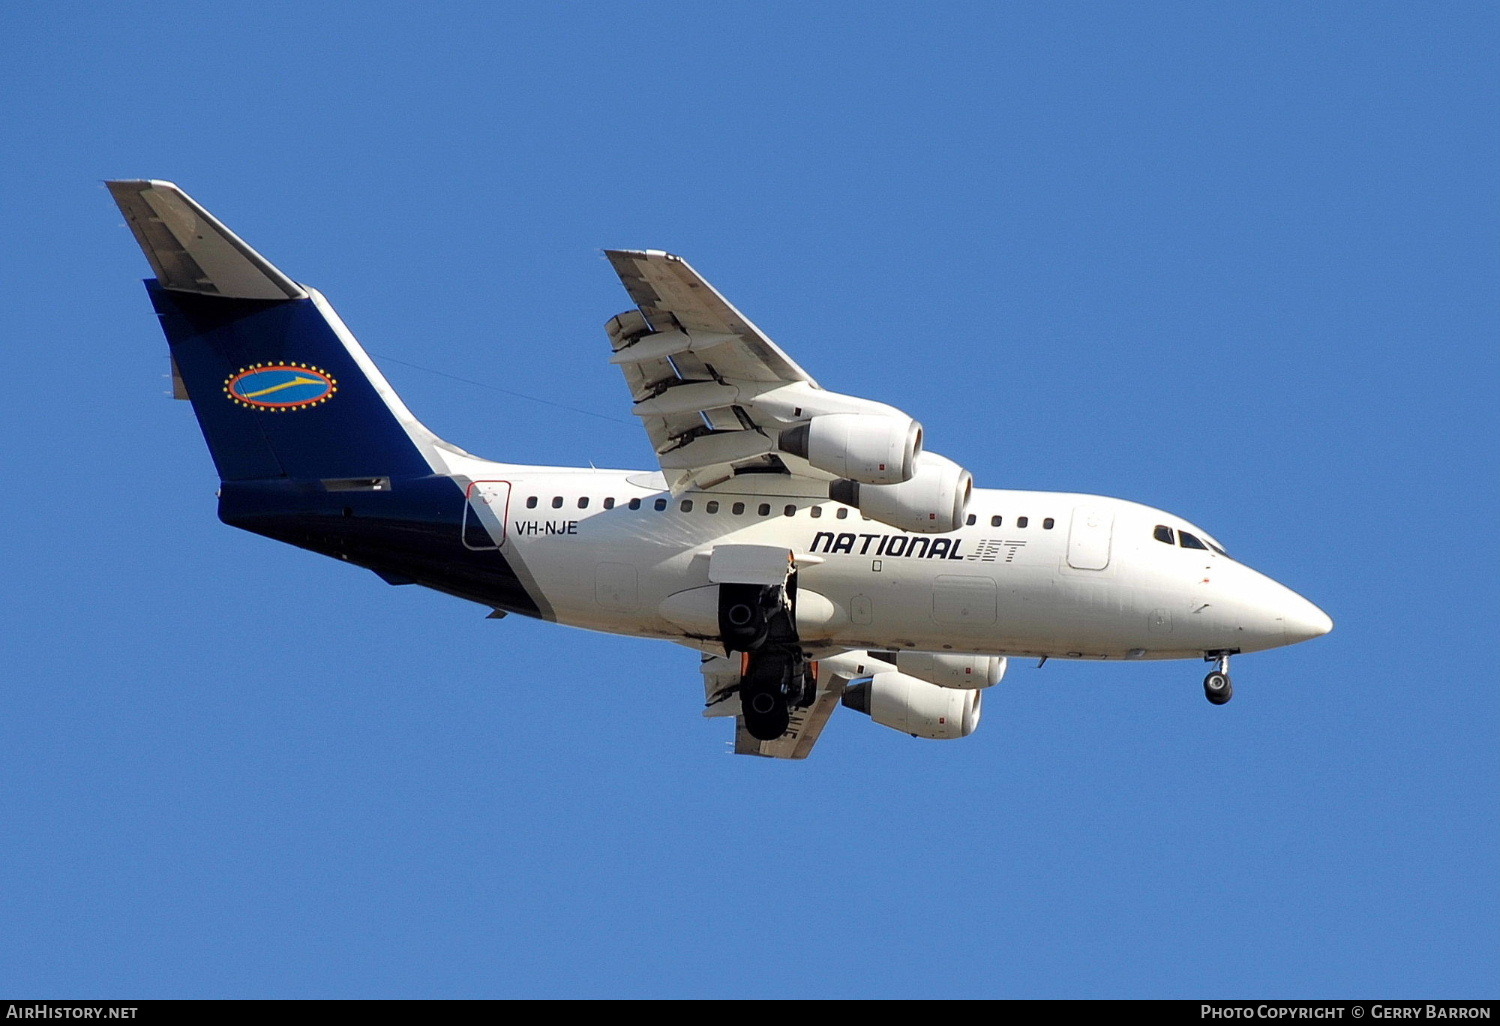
(1034, 573)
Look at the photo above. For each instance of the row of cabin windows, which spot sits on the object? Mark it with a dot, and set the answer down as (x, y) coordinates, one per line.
(1047, 524)
(583, 502)
(764, 509)
(711, 506)
(1186, 539)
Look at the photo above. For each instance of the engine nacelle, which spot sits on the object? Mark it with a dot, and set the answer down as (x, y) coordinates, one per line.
(893, 699)
(934, 501)
(952, 671)
(864, 447)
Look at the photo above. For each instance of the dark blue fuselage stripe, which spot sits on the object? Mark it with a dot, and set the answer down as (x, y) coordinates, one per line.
(412, 531)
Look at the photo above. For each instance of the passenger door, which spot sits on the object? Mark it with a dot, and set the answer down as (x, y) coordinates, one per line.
(484, 514)
(1089, 538)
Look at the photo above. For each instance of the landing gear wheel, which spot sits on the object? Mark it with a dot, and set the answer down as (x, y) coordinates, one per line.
(759, 621)
(765, 712)
(744, 615)
(1218, 688)
(763, 697)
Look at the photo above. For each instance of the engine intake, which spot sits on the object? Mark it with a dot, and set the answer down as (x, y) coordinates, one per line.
(934, 501)
(863, 447)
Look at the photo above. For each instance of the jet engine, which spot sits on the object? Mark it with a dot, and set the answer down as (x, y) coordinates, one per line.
(872, 448)
(947, 670)
(934, 501)
(896, 700)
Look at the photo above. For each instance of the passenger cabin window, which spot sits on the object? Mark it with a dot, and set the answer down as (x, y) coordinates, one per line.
(970, 521)
(557, 502)
(1190, 541)
(843, 513)
(583, 502)
(661, 504)
(1163, 533)
(609, 503)
(687, 505)
(712, 507)
(815, 512)
(635, 503)
(738, 508)
(996, 521)
(765, 509)
(531, 502)
(1022, 521)
(1048, 524)
(790, 511)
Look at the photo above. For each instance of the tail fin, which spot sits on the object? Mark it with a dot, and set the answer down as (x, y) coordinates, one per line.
(279, 385)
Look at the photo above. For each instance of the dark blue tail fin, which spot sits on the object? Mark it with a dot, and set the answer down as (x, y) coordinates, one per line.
(282, 390)
(279, 385)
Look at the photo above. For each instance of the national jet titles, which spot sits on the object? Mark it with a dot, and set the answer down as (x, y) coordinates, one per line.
(805, 543)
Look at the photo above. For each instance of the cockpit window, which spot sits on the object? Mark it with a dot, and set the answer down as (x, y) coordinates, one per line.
(1219, 550)
(1190, 541)
(1163, 533)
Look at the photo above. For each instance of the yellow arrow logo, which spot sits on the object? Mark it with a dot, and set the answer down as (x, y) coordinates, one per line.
(285, 384)
(275, 397)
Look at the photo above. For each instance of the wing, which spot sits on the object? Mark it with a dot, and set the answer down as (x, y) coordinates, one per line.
(671, 296)
(720, 678)
(712, 390)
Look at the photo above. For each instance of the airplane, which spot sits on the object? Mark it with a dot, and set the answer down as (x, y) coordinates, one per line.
(806, 544)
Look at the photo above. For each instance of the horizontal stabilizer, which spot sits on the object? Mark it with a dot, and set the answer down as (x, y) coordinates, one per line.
(191, 251)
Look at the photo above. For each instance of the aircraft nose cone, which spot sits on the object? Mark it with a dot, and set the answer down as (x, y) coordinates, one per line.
(1302, 621)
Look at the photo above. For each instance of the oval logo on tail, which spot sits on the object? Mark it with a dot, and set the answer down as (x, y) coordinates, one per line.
(280, 386)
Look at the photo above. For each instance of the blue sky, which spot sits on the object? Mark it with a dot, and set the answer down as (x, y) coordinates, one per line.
(1236, 261)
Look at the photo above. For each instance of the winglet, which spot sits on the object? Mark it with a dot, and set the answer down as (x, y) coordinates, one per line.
(191, 251)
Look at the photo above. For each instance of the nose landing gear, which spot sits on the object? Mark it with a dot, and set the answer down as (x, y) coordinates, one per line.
(1216, 686)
